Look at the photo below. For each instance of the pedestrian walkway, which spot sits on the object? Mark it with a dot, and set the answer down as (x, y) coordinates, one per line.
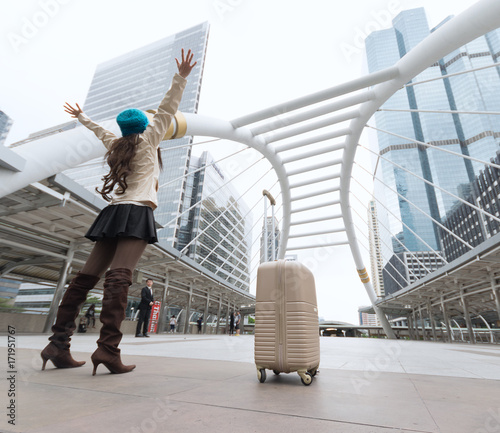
(208, 383)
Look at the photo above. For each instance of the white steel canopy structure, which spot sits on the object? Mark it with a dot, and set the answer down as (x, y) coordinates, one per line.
(314, 174)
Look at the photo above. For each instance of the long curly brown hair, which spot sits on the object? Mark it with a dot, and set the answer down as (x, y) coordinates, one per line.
(119, 158)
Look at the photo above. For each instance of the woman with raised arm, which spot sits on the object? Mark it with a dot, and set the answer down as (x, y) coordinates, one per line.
(122, 230)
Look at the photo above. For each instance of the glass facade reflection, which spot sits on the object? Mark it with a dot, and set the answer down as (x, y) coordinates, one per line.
(469, 134)
(215, 227)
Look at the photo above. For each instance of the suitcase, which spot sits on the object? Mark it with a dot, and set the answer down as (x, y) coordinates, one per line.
(286, 321)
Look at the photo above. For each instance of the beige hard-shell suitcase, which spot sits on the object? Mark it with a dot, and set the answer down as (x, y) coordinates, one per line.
(286, 321)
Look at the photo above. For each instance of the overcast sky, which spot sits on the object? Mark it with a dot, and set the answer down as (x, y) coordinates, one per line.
(260, 53)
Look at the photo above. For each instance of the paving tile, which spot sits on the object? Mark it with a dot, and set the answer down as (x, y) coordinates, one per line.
(169, 416)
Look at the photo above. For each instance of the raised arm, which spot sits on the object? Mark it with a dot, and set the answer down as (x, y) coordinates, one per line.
(102, 134)
(157, 129)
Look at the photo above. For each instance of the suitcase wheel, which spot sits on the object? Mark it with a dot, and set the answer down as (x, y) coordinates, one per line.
(313, 371)
(306, 378)
(276, 372)
(261, 375)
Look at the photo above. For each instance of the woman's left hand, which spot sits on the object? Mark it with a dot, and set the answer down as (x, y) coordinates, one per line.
(73, 111)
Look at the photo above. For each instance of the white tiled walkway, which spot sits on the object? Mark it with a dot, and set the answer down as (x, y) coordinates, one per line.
(209, 384)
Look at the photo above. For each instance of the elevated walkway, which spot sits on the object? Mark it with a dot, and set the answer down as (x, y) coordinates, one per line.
(209, 384)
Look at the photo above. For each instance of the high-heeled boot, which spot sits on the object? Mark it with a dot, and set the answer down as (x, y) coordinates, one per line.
(114, 303)
(74, 297)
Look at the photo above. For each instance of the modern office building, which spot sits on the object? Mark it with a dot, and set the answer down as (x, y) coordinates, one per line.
(5, 125)
(471, 225)
(412, 203)
(405, 268)
(8, 291)
(215, 223)
(140, 79)
(368, 319)
(476, 136)
(35, 297)
(272, 236)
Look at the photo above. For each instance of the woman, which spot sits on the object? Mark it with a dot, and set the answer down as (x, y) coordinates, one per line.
(122, 230)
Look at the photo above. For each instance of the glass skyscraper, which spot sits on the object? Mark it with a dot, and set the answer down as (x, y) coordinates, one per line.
(469, 134)
(5, 125)
(140, 79)
(215, 224)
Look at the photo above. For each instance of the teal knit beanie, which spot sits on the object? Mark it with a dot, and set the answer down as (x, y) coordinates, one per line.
(132, 121)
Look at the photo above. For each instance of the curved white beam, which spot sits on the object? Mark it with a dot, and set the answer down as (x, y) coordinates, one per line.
(48, 156)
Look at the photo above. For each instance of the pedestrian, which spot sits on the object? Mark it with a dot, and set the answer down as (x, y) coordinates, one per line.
(147, 302)
(122, 230)
(237, 320)
(173, 323)
(90, 315)
(231, 323)
(199, 322)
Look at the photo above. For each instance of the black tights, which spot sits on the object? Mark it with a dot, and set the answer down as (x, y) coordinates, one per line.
(114, 253)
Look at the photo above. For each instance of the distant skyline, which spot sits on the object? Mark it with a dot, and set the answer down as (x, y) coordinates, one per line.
(259, 54)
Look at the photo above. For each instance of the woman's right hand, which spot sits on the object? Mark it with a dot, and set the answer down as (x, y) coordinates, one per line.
(185, 66)
(72, 110)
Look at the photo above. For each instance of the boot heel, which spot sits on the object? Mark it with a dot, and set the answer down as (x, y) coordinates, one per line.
(44, 362)
(96, 364)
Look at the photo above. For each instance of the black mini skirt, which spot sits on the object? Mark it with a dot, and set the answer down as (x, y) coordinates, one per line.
(124, 220)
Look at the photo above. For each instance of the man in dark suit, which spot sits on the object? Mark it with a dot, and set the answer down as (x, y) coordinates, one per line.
(147, 302)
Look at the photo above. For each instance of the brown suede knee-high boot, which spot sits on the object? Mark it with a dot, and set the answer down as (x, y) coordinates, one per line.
(74, 297)
(114, 303)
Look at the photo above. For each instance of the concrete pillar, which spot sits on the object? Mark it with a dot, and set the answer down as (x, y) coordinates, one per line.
(227, 316)
(415, 323)
(409, 321)
(164, 309)
(422, 321)
(468, 321)
(188, 309)
(496, 294)
(218, 315)
(242, 323)
(58, 293)
(205, 314)
(433, 322)
(446, 320)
